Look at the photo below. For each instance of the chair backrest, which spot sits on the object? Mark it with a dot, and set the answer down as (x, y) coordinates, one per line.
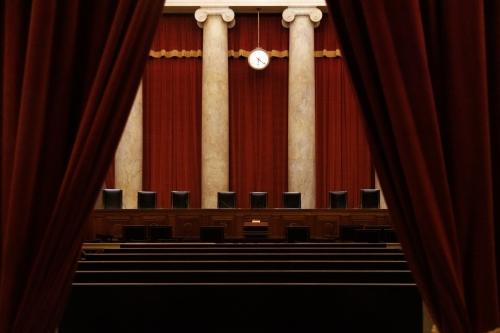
(338, 199)
(291, 200)
(212, 233)
(134, 233)
(370, 198)
(258, 199)
(226, 199)
(146, 199)
(159, 233)
(112, 198)
(298, 233)
(180, 199)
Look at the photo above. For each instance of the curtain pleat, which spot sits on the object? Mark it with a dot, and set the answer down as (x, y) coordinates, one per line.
(172, 113)
(70, 71)
(427, 76)
(343, 160)
(258, 104)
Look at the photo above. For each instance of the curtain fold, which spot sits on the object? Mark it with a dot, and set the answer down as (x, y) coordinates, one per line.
(172, 113)
(258, 104)
(427, 76)
(109, 181)
(343, 160)
(70, 71)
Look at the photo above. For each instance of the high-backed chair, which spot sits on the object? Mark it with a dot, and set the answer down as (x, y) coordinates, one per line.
(226, 199)
(298, 233)
(212, 233)
(146, 199)
(370, 198)
(338, 199)
(112, 198)
(291, 200)
(180, 199)
(258, 199)
(134, 233)
(160, 233)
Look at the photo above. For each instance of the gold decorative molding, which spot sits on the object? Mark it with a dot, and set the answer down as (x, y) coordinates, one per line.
(327, 53)
(237, 53)
(175, 54)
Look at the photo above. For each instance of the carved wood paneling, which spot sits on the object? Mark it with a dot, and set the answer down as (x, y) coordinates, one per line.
(186, 223)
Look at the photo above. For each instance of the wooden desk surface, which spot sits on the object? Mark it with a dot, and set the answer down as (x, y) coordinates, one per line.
(186, 223)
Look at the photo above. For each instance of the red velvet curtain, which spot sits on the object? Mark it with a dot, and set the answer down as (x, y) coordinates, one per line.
(172, 112)
(258, 104)
(343, 160)
(428, 78)
(70, 70)
(109, 181)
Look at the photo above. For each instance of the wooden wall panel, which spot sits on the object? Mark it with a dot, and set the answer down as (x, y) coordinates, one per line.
(186, 223)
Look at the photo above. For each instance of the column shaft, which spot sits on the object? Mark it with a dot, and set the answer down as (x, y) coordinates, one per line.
(215, 104)
(301, 104)
(128, 157)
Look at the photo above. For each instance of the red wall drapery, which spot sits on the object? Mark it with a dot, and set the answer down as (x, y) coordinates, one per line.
(172, 113)
(428, 78)
(343, 160)
(258, 102)
(109, 181)
(70, 71)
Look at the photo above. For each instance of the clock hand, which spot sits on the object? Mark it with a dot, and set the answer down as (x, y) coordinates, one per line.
(258, 60)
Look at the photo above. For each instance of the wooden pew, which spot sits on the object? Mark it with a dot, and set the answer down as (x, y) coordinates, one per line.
(245, 264)
(243, 256)
(242, 308)
(261, 249)
(245, 276)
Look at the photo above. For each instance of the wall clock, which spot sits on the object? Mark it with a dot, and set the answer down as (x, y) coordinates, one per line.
(258, 59)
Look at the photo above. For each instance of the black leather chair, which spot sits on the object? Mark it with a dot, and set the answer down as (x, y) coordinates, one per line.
(347, 231)
(180, 199)
(298, 233)
(226, 199)
(291, 200)
(214, 233)
(370, 198)
(368, 235)
(146, 199)
(338, 199)
(160, 233)
(258, 199)
(134, 233)
(112, 198)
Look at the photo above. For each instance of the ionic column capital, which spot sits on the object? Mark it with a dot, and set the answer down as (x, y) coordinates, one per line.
(227, 14)
(290, 13)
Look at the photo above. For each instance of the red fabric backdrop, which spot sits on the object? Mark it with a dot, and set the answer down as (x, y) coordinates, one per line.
(428, 78)
(172, 113)
(109, 181)
(258, 103)
(343, 160)
(70, 71)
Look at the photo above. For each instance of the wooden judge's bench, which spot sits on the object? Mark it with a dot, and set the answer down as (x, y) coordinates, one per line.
(186, 223)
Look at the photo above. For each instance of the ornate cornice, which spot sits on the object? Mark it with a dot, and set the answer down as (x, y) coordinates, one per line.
(226, 13)
(289, 14)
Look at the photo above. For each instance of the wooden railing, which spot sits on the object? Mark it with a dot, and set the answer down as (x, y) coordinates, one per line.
(324, 223)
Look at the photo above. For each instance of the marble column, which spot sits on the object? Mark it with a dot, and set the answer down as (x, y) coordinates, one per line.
(301, 102)
(215, 22)
(383, 204)
(128, 157)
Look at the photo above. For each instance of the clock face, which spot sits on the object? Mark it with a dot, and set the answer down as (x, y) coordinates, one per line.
(258, 59)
